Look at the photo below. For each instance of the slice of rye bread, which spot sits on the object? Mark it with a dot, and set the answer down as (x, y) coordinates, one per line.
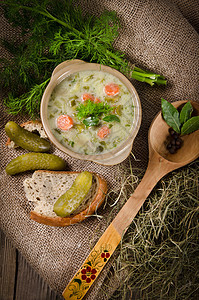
(45, 187)
(32, 126)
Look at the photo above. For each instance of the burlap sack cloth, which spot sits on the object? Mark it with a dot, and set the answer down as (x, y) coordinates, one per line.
(158, 35)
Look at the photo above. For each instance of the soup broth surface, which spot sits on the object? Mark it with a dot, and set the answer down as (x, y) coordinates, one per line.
(91, 112)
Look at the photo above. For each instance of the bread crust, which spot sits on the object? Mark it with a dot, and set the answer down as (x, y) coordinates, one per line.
(79, 217)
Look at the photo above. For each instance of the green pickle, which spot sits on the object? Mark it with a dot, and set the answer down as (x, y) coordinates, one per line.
(26, 139)
(35, 161)
(72, 198)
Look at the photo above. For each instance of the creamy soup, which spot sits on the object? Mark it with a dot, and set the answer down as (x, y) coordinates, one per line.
(91, 112)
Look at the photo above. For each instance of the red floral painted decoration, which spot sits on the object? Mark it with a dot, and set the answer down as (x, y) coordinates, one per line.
(105, 255)
(88, 274)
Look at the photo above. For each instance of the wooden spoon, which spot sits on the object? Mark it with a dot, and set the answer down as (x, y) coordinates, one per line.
(160, 163)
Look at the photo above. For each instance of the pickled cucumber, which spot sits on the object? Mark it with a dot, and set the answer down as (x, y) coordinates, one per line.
(26, 139)
(35, 161)
(72, 198)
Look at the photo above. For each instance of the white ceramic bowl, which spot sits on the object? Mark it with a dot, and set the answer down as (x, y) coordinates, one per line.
(64, 70)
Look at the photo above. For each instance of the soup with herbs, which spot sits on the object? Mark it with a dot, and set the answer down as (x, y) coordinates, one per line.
(91, 112)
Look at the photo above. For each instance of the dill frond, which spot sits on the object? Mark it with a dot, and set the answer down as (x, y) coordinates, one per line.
(28, 102)
(52, 32)
(93, 109)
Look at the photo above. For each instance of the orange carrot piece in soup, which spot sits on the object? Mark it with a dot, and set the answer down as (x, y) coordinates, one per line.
(64, 122)
(87, 96)
(103, 132)
(112, 89)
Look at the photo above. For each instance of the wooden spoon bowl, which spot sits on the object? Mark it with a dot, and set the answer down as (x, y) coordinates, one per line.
(158, 134)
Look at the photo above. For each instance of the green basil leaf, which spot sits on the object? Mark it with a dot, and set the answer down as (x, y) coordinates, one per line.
(186, 112)
(170, 115)
(111, 118)
(91, 121)
(190, 126)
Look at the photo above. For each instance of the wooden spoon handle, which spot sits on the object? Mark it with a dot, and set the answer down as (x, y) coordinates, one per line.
(108, 242)
(93, 264)
(156, 169)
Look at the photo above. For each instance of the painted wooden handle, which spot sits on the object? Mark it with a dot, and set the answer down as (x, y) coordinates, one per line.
(108, 242)
(93, 265)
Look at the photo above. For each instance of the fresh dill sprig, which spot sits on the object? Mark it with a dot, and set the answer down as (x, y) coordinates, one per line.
(93, 109)
(52, 32)
(28, 102)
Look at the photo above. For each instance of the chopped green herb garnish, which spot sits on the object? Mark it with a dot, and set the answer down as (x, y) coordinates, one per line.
(73, 102)
(57, 130)
(71, 143)
(118, 110)
(88, 78)
(86, 87)
(99, 148)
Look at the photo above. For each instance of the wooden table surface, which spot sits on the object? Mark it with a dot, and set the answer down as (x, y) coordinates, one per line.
(18, 281)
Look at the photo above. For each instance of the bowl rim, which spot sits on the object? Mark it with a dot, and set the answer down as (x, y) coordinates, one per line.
(68, 68)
